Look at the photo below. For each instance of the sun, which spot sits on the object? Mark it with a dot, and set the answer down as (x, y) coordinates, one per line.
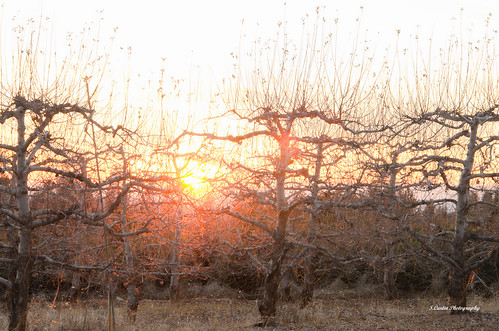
(193, 180)
(197, 176)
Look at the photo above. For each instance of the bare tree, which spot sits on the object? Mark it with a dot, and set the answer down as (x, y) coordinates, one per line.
(45, 135)
(276, 105)
(23, 163)
(387, 191)
(451, 112)
(323, 157)
(459, 171)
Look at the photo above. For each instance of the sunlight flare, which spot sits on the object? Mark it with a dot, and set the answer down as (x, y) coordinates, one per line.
(196, 176)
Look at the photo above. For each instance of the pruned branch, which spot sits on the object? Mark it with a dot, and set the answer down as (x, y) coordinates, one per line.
(71, 267)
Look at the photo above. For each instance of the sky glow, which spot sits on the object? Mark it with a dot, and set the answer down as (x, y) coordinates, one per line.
(205, 32)
(192, 40)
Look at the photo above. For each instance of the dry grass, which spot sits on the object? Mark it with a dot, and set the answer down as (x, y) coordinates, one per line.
(239, 314)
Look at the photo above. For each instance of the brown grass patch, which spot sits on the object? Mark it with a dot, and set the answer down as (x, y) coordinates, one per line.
(239, 314)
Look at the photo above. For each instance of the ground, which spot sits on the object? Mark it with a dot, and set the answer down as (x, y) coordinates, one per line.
(242, 314)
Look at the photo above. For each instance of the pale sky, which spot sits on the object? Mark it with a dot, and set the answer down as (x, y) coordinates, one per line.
(203, 33)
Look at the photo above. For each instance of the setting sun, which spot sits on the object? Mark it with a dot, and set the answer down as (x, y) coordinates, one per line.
(197, 176)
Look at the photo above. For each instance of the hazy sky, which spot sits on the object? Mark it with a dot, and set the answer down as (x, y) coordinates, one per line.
(205, 32)
(202, 34)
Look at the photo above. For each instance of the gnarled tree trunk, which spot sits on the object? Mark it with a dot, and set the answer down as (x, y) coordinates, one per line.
(268, 306)
(20, 288)
(19, 294)
(457, 275)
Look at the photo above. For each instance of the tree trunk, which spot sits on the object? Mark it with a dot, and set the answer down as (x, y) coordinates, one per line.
(20, 288)
(268, 306)
(457, 275)
(74, 293)
(388, 276)
(19, 295)
(309, 269)
(12, 254)
(12, 242)
(285, 286)
(308, 280)
(457, 290)
(175, 260)
(132, 300)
